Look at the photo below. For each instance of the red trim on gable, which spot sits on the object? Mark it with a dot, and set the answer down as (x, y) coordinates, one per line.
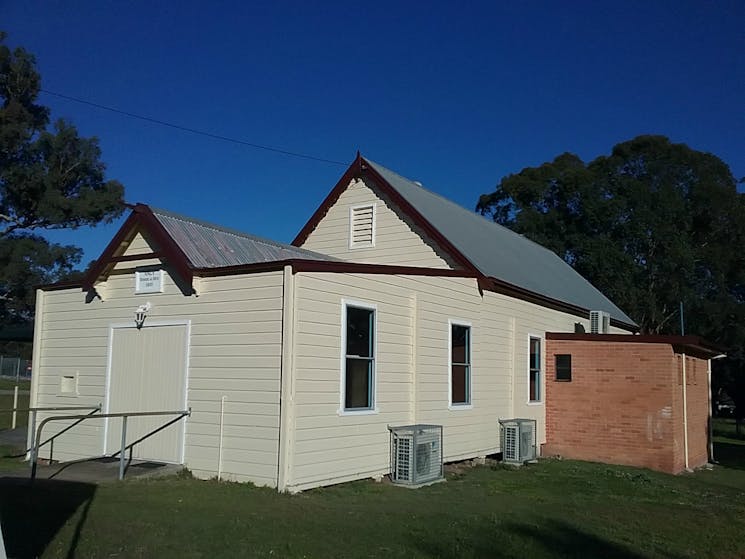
(133, 257)
(419, 219)
(359, 168)
(354, 169)
(97, 268)
(171, 251)
(141, 218)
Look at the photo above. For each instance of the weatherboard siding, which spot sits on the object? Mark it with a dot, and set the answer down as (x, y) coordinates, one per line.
(139, 245)
(397, 240)
(329, 446)
(411, 369)
(235, 351)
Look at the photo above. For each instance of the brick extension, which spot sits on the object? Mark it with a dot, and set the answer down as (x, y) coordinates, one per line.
(624, 404)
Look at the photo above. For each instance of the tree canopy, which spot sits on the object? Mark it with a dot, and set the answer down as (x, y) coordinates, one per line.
(50, 178)
(651, 225)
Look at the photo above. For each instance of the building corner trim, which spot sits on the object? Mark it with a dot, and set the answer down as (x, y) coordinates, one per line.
(287, 381)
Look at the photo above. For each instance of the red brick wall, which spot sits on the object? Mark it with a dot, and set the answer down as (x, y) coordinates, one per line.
(624, 405)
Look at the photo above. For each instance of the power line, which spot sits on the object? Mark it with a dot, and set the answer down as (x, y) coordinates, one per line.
(193, 130)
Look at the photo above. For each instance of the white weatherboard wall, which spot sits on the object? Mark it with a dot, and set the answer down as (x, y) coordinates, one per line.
(234, 351)
(411, 369)
(397, 242)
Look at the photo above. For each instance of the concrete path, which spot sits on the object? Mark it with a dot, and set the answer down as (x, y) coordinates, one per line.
(103, 470)
(99, 470)
(13, 437)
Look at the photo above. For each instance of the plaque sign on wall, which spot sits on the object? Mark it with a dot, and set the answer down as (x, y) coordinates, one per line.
(149, 281)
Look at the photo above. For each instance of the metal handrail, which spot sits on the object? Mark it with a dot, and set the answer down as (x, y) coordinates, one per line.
(124, 415)
(34, 411)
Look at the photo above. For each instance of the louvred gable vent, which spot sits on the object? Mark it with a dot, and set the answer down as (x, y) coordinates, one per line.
(362, 226)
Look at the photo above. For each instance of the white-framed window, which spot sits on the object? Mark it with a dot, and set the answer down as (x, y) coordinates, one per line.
(535, 369)
(459, 363)
(358, 357)
(362, 226)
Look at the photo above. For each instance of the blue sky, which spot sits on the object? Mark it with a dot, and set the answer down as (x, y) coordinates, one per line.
(455, 95)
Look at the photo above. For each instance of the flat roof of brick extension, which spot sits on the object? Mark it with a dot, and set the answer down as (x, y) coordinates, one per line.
(693, 345)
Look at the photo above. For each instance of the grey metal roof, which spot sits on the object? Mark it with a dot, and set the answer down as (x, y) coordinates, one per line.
(210, 246)
(501, 253)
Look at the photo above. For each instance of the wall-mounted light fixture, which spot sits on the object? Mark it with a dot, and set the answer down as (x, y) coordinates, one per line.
(141, 314)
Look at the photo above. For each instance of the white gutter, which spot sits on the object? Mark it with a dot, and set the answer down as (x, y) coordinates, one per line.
(711, 411)
(222, 425)
(287, 384)
(35, 364)
(685, 414)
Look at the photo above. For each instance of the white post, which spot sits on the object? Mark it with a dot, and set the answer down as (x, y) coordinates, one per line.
(15, 405)
(685, 413)
(711, 414)
(2, 546)
(219, 451)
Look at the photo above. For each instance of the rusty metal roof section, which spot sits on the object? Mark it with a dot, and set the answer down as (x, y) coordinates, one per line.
(210, 246)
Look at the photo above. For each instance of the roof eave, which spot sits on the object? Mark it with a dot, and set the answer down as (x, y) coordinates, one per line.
(505, 288)
(141, 217)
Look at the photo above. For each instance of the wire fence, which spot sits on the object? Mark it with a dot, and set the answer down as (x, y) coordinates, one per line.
(15, 367)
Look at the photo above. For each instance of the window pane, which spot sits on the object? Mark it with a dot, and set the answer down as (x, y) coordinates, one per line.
(535, 353)
(535, 386)
(460, 386)
(460, 344)
(359, 331)
(357, 384)
(564, 367)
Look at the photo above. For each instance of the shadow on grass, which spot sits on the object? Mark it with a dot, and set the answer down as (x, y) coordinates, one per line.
(730, 455)
(31, 515)
(512, 540)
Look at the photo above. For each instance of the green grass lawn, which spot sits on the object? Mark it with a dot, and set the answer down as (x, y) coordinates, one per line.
(724, 428)
(6, 402)
(550, 509)
(9, 384)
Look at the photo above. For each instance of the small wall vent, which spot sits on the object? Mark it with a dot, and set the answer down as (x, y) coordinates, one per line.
(518, 439)
(362, 226)
(599, 322)
(416, 454)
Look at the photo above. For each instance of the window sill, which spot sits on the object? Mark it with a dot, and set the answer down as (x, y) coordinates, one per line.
(373, 411)
(456, 407)
(535, 403)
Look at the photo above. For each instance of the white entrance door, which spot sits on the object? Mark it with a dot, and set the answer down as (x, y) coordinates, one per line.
(148, 373)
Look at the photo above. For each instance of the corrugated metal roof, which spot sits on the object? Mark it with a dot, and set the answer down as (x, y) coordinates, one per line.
(501, 253)
(210, 246)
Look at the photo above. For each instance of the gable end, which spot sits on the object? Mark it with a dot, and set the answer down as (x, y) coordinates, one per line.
(141, 219)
